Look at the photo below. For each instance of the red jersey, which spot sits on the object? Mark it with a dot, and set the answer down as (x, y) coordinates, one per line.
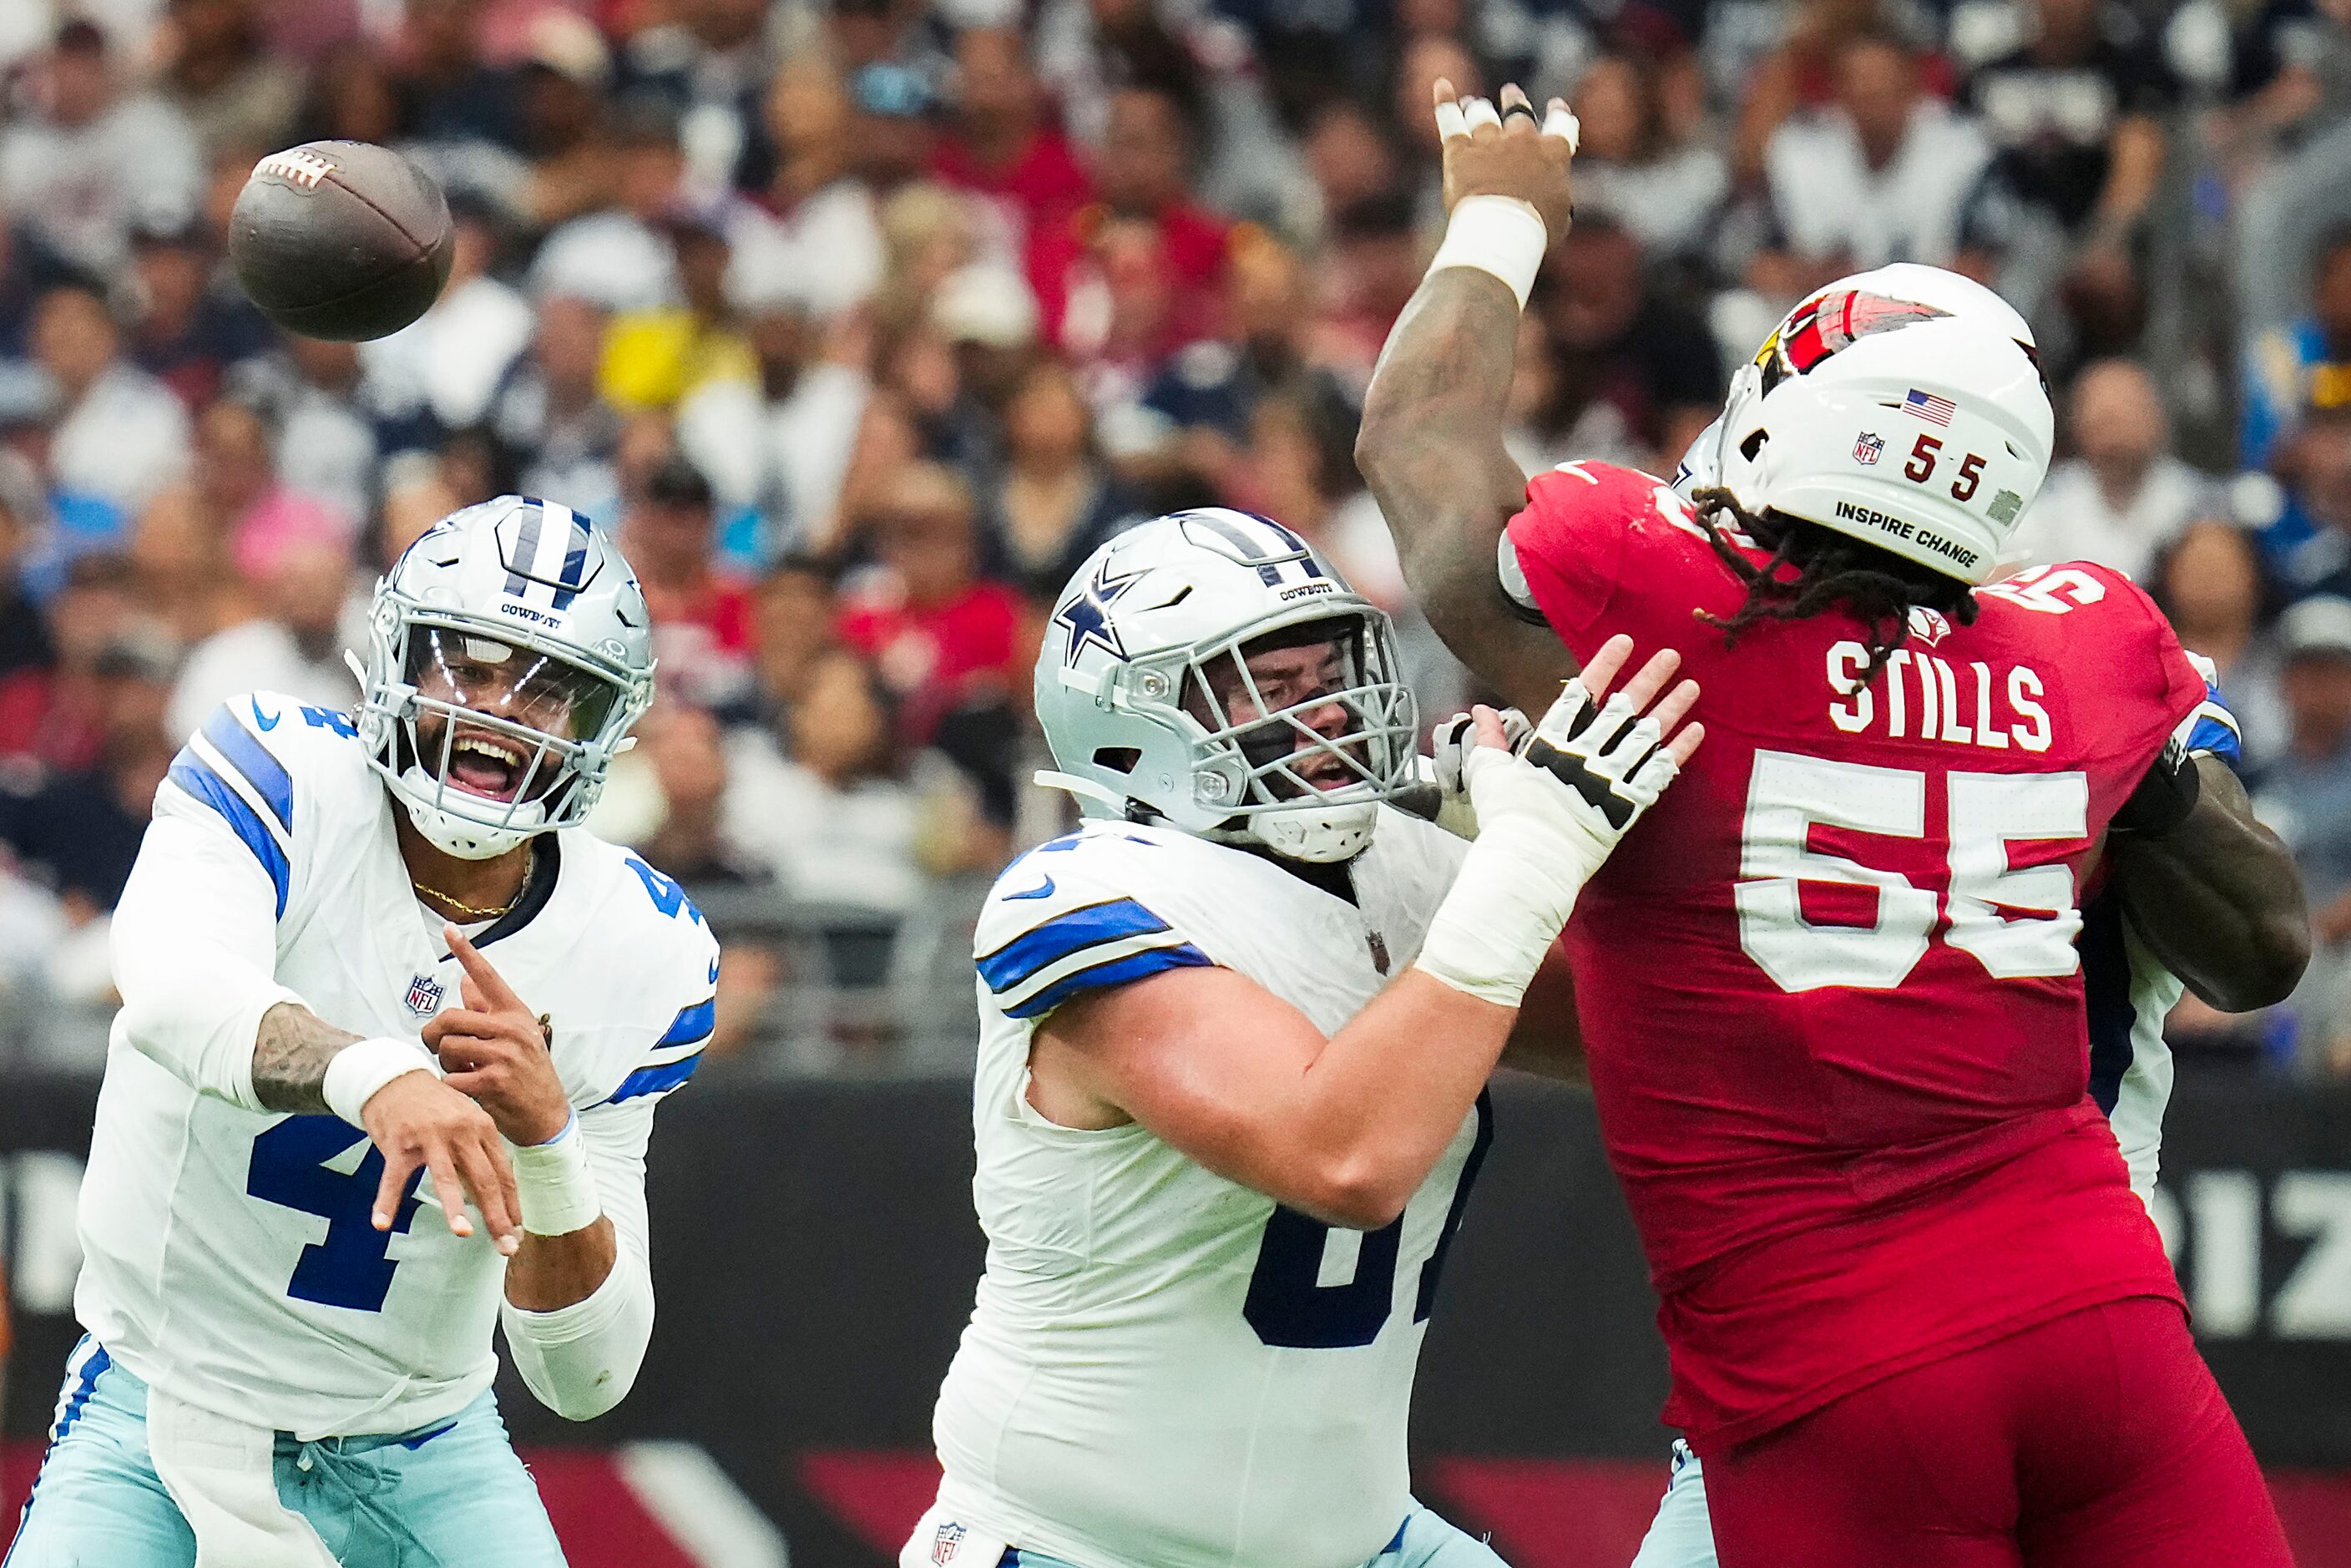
(1828, 987)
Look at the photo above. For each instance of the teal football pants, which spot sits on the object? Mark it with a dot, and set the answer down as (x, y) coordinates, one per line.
(452, 1495)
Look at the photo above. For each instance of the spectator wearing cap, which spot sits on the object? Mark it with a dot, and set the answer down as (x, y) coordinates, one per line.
(2123, 495)
(235, 91)
(1146, 224)
(654, 358)
(92, 159)
(1055, 499)
(891, 134)
(2304, 364)
(941, 637)
(619, 255)
(702, 616)
(449, 362)
(119, 434)
(187, 333)
(1879, 174)
(79, 828)
(332, 429)
(2311, 540)
(295, 646)
(1003, 149)
(565, 76)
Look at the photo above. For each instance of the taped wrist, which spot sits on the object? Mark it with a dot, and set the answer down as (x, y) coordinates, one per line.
(355, 1072)
(2165, 796)
(1499, 235)
(555, 1184)
(1515, 890)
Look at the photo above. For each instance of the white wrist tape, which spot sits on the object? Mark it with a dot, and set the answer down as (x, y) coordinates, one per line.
(355, 1072)
(1518, 884)
(1499, 235)
(556, 1187)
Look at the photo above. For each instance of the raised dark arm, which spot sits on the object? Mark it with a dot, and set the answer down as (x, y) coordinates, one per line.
(1431, 442)
(2217, 899)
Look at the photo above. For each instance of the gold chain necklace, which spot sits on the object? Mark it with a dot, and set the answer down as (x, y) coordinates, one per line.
(471, 912)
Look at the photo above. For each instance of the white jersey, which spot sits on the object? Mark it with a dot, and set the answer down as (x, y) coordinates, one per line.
(230, 1259)
(1164, 1368)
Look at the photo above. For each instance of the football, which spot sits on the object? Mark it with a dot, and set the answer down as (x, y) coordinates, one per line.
(341, 239)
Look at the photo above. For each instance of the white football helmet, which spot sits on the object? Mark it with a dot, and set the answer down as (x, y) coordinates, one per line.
(1902, 406)
(509, 651)
(1146, 656)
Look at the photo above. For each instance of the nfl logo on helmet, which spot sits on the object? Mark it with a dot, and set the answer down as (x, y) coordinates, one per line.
(1867, 448)
(424, 997)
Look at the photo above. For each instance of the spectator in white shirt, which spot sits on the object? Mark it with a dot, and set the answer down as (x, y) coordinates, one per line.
(91, 160)
(1881, 175)
(452, 358)
(122, 435)
(2122, 497)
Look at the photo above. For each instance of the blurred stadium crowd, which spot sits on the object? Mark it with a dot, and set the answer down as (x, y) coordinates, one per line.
(864, 323)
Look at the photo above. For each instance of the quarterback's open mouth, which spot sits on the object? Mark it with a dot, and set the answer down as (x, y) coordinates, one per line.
(487, 765)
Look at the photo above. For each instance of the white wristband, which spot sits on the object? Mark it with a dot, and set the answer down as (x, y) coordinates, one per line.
(355, 1072)
(555, 1184)
(1499, 235)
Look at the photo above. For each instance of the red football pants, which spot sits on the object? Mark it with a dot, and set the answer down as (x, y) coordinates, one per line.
(2097, 1440)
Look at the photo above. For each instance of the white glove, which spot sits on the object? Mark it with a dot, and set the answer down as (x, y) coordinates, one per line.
(1549, 819)
(1446, 766)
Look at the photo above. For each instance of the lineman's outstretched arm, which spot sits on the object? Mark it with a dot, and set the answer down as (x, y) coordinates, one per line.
(1430, 446)
(1347, 1128)
(2217, 898)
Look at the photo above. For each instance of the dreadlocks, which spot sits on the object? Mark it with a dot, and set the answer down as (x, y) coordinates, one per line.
(1812, 569)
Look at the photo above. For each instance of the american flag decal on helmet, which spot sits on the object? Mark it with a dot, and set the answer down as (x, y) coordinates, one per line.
(1927, 406)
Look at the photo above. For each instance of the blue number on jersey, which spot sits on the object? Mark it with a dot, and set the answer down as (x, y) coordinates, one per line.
(667, 897)
(1288, 1307)
(328, 718)
(350, 1267)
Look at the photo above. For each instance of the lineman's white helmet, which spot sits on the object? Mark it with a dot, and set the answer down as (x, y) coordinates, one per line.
(1902, 406)
(1145, 661)
(509, 650)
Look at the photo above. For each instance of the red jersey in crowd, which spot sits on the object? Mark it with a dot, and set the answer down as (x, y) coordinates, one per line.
(1828, 987)
(1037, 191)
(936, 657)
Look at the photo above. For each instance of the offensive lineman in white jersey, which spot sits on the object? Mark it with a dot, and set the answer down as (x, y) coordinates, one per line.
(352, 954)
(1222, 1152)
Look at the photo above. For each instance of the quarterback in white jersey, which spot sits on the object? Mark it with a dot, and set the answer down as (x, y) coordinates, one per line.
(354, 952)
(1235, 1034)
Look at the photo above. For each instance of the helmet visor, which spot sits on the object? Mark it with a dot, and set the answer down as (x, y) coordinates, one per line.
(497, 718)
(1316, 712)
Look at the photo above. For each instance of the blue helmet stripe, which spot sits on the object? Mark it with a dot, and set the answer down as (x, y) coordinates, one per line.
(575, 563)
(524, 566)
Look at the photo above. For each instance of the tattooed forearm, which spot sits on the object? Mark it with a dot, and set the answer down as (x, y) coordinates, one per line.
(290, 1052)
(1431, 450)
(2217, 899)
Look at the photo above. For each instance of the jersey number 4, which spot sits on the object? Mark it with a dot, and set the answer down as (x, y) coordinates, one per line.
(290, 1167)
(1790, 794)
(1290, 1307)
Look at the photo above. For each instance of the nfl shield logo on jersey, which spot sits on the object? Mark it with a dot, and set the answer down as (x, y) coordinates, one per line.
(424, 997)
(943, 1549)
(1867, 448)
